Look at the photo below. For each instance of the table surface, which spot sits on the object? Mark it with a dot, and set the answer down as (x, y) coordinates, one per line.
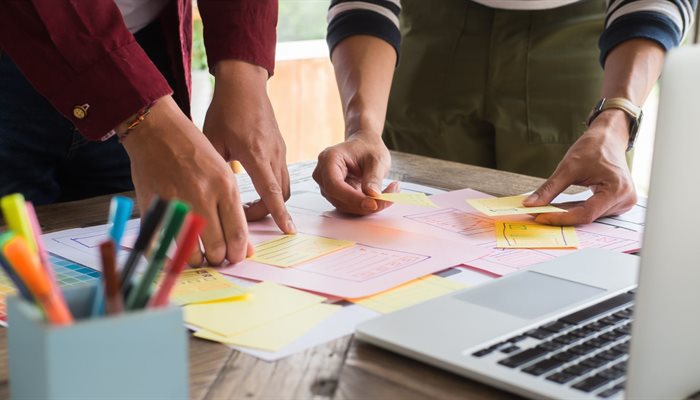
(341, 369)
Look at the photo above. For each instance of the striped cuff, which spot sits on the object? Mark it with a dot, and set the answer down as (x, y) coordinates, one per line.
(376, 18)
(641, 25)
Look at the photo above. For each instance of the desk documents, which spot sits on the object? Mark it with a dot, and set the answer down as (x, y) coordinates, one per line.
(380, 263)
(383, 257)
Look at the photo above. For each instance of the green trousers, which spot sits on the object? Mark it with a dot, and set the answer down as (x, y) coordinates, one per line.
(497, 88)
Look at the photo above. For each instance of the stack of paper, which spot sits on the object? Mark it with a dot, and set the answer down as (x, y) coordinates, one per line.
(268, 318)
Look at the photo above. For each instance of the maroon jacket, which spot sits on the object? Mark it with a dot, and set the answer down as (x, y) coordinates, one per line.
(79, 53)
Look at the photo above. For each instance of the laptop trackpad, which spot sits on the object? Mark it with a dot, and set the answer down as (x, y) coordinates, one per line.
(529, 294)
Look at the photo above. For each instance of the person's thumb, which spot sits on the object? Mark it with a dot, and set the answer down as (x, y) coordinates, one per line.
(372, 179)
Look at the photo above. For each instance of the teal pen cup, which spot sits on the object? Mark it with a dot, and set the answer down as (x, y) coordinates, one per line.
(135, 355)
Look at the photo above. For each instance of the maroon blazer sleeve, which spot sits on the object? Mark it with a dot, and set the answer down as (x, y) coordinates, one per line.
(80, 54)
(240, 30)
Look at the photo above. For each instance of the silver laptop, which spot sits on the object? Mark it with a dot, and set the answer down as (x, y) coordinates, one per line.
(578, 326)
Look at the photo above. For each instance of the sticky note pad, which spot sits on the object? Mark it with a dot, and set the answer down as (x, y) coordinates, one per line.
(275, 335)
(512, 205)
(410, 199)
(200, 285)
(289, 250)
(520, 235)
(408, 294)
(265, 302)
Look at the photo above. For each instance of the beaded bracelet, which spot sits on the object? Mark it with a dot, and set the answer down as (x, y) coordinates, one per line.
(140, 117)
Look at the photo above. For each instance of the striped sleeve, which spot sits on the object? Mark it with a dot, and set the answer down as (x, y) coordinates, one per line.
(378, 18)
(663, 21)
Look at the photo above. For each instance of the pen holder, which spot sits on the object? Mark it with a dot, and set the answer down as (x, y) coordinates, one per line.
(140, 354)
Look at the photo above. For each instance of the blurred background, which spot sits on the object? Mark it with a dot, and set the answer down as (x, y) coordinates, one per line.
(305, 98)
(302, 90)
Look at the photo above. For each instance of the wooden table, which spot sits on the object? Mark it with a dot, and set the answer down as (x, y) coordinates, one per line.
(342, 369)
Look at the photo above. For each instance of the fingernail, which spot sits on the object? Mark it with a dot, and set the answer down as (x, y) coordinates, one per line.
(531, 198)
(374, 189)
(369, 204)
(291, 228)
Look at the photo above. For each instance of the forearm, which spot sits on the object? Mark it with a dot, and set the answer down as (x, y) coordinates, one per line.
(631, 70)
(364, 67)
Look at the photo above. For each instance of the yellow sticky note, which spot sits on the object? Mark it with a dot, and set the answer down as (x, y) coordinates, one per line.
(523, 235)
(265, 302)
(410, 199)
(512, 205)
(200, 285)
(275, 335)
(408, 294)
(288, 250)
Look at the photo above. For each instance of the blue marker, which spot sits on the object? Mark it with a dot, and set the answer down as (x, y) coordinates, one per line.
(119, 212)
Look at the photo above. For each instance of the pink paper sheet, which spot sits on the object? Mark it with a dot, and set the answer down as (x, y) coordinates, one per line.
(458, 220)
(383, 258)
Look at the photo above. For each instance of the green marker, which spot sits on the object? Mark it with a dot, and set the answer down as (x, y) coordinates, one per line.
(138, 296)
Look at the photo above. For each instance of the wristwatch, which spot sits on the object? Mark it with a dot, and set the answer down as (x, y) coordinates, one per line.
(633, 112)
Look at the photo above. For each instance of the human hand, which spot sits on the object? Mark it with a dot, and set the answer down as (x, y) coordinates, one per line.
(596, 160)
(171, 158)
(350, 172)
(241, 125)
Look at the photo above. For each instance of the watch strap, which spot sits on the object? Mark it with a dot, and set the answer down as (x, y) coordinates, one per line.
(633, 111)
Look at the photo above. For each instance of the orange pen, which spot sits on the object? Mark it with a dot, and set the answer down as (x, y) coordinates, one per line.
(27, 265)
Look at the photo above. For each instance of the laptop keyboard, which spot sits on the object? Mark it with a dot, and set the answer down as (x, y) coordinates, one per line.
(586, 350)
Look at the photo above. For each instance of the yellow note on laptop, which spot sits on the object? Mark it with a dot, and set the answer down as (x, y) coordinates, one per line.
(525, 235)
(511, 205)
(409, 199)
(289, 250)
